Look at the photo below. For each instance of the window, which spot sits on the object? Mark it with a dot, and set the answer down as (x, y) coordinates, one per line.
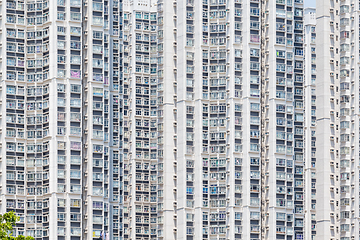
(98, 35)
(75, 88)
(61, 59)
(61, 217)
(60, 16)
(75, 31)
(75, 16)
(61, 231)
(98, 20)
(75, 202)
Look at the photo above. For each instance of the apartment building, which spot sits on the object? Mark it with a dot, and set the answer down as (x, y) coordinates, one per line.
(149, 122)
(140, 121)
(230, 119)
(337, 97)
(228, 87)
(310, 122)
(60, 112)
(154, 119)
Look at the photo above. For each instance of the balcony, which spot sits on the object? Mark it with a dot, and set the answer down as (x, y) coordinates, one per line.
(254, 66)
(75, 102)
(255, 120)
(98, 63)
(254, 38)
(254, 202)
(75, 231)
(254, 93)
(75, 16)
(98, 191)
(76, 31)
(280, 149)
(98, 134)
(280, 27)
(98, 149)
(75, 3)
(75, 117)
(75, 131)
(254, 228)
(75, 45)
(75, 60)
(75, 160)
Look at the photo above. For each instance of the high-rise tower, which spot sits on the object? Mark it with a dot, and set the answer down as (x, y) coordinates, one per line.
(310, 123)
(337, 114)
(60, 90)
(228, 117)
(166, 119)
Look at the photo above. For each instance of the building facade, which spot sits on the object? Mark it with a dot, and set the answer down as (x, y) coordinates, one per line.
(214, 120)
(337, 98)
(165, 119)
(310, 123)
(61, 115)
(140, 121)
